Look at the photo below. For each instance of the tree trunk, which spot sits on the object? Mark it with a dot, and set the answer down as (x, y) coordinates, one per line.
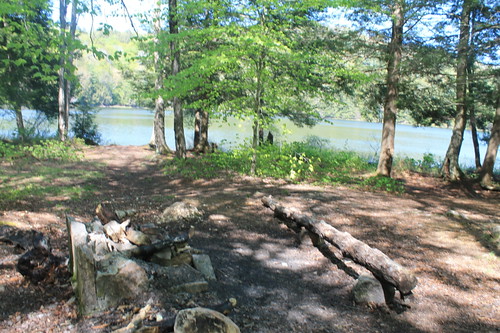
(259, 65)
(61, 127)
(70, 50)
(160, 143)
(451, 168)
(159, 140)
(197, 128)
(471, 94)
(204, 129)
(255, 143)
(21, 131)
(486, 176)
(180, 141)
(384, 167)
(475, 140)
(201, 131)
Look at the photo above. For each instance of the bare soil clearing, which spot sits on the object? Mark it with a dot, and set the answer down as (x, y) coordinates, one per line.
(281, 285)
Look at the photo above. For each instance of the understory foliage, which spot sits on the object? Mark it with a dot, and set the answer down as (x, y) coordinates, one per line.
(294, 162)
(44, 150)
(300, 162)
(84, 126)
(44, 171)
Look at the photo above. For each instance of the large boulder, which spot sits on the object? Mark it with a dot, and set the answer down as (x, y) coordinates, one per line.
(182, 279)
(203, 320)
(368, 291)
(203, 264)
(180, 211)
(119, 278)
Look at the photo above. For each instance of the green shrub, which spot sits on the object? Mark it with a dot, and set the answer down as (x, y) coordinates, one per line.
(385, 184)
(84, 126)
(9, 151)
(43, 150)
(55, 150)
(295, 161)
(428, 164)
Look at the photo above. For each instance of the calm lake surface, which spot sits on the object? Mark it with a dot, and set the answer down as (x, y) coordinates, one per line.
(133, 127)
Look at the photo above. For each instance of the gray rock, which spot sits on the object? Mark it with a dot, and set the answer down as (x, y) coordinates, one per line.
(77, 237)
(161, 258)
(124, 213)
(119, 278)
(96, 226)
(202, 320)
(203, 263)
(180, 211)
(454, 214)
(114, 231)
(84, 280)
(368, 291)
(137, 237)
(183, 279)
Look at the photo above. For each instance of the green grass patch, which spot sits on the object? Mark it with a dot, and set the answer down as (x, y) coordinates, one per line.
(43, 150)
(42, 170)
(40, 182)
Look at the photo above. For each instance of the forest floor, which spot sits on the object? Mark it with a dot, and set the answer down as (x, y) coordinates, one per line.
(440, 231)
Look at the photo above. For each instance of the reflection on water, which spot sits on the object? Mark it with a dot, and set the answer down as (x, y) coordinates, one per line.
(133, 127)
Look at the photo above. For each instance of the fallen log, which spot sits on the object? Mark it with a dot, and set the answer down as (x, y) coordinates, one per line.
(146, 251)
(387, 271)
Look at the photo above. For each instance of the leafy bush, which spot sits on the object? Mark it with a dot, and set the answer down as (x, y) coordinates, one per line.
(43, 150)
(84, 126)
(9, 151)
(385, 184)
(428, 164)
(55, 150)
(295, 161)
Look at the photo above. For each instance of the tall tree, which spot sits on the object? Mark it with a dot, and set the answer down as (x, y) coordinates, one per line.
(66, 63)
(451, 168)
(277, 66)
(486, 174)
(384, 167)
(160, 143)
(26, 50)
(406, 18)
(180, 141)
(259, 61)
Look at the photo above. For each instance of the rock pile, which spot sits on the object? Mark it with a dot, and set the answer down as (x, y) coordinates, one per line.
(111, 262)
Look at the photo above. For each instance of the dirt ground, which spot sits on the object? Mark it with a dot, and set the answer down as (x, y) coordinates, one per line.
(440, 232)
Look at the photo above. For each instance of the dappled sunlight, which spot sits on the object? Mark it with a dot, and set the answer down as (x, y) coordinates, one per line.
(265, 266)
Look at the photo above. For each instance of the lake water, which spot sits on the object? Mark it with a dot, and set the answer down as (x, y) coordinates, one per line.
(133, 127)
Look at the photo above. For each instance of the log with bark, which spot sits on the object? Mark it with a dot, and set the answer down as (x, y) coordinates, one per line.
(147, 251)
(387, 271)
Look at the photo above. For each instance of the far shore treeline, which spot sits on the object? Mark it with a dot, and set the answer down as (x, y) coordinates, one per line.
(424, 63)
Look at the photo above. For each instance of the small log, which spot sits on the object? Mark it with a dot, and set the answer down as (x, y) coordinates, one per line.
(136, 321)
(146, 251)
(106, 213)
(383, 268)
